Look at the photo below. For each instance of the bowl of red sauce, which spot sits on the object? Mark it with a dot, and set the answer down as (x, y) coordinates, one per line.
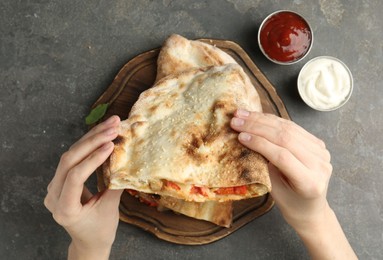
(285, 37)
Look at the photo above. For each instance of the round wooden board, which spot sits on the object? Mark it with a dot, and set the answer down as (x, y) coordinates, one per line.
(135, 77)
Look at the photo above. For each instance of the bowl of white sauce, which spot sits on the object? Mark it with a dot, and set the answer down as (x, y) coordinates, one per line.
(325, 83)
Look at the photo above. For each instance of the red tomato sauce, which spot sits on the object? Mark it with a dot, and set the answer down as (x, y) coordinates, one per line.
(285, 37)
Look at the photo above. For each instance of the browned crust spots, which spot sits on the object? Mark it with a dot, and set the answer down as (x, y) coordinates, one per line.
(246, 175)
(218, 105)
(244, 153)
(118, 140)
(153, 108)
(192, 148)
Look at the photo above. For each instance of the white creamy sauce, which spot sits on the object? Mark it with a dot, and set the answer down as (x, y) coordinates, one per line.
(324, 83)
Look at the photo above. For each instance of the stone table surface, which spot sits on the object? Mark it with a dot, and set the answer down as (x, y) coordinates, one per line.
(57, 57)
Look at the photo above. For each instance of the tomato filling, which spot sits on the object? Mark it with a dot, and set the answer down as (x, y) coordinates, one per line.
(198, 190)
(204, 191)
(148, 202)
(172, 185)
(238, 190)
(132, 192)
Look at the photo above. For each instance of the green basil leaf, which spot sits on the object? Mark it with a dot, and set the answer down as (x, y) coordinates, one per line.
(96, 114)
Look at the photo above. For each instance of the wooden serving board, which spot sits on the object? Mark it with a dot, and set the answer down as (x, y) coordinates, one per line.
(135, 77)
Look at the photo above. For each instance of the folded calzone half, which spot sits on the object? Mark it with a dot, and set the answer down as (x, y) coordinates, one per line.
(177, 140)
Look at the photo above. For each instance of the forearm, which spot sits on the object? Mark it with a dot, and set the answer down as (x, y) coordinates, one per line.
(77, 253)
(326, 239)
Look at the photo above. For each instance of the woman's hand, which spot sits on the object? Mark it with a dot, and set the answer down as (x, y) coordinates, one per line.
(91, 220)
(299, 166)
(300, 169)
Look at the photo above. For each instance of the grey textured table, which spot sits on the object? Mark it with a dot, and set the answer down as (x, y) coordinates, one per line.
(57, 57)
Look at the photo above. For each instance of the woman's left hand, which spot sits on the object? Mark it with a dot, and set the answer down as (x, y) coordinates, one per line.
(91, 220)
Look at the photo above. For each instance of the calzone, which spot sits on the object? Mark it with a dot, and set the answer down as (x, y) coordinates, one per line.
(177, 140)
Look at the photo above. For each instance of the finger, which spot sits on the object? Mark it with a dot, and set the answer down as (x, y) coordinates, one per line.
(111, 199)
(110, 122)
(78, 153)
(49, 186)
(73, 187)
(49, 199)
(279, 182)
(255, 120)
(278, 156)
(304, 150)
(277, 122)
(87, 145)
(108, 200)
(286, 135)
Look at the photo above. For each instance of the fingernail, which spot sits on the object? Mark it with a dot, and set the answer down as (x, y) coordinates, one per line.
(242, 112)
(244, 137)
(110, 120)
(238, 121)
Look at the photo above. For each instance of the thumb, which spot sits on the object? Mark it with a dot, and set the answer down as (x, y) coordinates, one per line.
(278, 182)
(111, 198)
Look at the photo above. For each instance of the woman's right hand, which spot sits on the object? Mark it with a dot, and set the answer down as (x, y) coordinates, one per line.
(299, 165)
(300, 170)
